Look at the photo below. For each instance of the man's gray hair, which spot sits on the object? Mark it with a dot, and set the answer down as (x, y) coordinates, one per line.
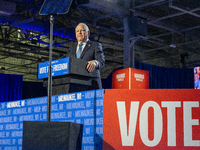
(86, 27)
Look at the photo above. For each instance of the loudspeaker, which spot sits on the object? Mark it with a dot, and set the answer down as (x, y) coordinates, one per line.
(39, 135)
(137, 26)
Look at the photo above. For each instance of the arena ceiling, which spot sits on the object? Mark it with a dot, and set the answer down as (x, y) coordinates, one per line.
(172, 39)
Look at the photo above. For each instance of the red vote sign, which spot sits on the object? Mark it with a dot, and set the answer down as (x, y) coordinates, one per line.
(151, 119)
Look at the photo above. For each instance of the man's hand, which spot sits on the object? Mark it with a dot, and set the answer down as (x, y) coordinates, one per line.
(91, 65)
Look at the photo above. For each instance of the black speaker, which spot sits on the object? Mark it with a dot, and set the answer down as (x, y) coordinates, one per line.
(40, 135)
(137, 26)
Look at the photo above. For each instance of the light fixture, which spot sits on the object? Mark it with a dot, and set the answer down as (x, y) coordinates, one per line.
(5, 25)
(172, 45)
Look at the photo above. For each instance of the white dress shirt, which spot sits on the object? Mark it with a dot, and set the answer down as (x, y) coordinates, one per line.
(83, 46)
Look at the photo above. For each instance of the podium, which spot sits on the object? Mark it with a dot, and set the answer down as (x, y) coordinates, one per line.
(68, 75)
(130, 78)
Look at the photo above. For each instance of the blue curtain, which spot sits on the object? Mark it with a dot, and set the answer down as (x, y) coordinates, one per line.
(161, 77)
(10, 87)
(168, 78)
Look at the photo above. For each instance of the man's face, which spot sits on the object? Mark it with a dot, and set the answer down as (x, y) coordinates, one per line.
(81, 33)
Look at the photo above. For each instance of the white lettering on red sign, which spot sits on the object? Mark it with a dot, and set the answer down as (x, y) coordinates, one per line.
(127, 137)
(171, 121)
(188, 122)
(139, 77)
(158, 123)
(127, 140)
(120, 77)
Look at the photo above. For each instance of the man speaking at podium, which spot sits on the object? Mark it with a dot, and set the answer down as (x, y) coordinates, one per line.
(90, 51)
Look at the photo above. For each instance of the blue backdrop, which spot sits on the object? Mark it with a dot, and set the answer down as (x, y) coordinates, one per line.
(168, 78)
(159, 78)
(10, 87)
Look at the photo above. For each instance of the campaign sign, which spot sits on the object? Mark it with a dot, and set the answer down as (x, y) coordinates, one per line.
(159, 119)
(83, 107)
(59, 67)
(130, 78)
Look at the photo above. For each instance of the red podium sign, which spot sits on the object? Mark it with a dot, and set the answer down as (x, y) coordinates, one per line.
(130, 78)
(151, 119)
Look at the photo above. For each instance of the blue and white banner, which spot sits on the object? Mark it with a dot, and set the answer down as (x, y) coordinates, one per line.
(59, 67)
(83, 107)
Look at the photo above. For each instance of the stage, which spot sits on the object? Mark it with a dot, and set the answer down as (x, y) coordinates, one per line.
(113, 118)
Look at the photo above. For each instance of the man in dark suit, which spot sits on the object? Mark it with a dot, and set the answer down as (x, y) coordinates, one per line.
(90, 51)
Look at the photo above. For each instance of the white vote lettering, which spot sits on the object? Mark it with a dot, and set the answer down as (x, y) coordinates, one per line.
(158, 123)
(127, 140)
(188, 122)
(128, 130)
(171, 121)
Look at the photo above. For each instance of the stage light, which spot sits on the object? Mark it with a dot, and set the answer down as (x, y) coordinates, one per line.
(5, 25)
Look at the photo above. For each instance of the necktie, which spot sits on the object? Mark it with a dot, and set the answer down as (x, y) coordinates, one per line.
(78, 53)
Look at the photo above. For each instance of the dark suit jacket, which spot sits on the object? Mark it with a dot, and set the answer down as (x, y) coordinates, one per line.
(92, 51)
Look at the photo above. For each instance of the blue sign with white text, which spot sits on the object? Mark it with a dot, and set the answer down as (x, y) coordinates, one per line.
(59, 67)
(82, 107)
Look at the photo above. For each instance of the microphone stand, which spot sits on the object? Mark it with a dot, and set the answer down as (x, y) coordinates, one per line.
(50, 71)
(51, 7)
